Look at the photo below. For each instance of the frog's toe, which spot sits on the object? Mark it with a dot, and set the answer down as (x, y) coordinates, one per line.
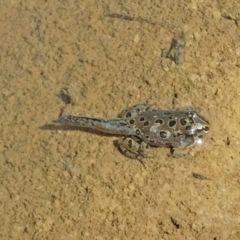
(134, 148)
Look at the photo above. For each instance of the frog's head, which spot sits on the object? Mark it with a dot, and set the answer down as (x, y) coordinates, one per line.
(196, 129)
(200, 128)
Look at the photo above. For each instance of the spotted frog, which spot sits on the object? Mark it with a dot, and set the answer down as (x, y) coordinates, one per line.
(143, 126)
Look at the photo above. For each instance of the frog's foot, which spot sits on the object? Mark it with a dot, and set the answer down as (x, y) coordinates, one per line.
(177, 153)
(133, 147)
(135, 110)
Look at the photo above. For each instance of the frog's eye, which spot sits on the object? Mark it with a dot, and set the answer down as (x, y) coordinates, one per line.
(206, 128)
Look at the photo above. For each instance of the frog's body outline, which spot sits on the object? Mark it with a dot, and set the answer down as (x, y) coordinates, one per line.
(143, 126)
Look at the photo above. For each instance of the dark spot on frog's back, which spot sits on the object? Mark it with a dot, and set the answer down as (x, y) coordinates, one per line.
(163, 134)
(172, 123)
(141, 119)
(159, 121)
(132, 121)
(138, 132)
(183, 121)
(146, 123)
(128, 115)
(191, 121)
(177, 134)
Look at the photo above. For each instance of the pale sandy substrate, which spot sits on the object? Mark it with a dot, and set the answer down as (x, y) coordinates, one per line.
(61, 184)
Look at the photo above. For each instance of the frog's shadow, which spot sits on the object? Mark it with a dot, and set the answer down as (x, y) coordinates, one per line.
(53, 127)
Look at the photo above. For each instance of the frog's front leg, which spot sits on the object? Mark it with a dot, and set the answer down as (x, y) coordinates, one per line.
(133, 147)
(135, 110)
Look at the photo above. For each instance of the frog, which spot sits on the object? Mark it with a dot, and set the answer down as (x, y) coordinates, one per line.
(142, 126)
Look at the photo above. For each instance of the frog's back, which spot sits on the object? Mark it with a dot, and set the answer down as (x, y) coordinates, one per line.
(174, 128)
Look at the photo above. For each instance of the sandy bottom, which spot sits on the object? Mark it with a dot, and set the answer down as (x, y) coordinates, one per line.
(97, 58)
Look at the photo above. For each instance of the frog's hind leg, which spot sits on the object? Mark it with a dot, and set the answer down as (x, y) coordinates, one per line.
(135, 110)
(133, 147)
